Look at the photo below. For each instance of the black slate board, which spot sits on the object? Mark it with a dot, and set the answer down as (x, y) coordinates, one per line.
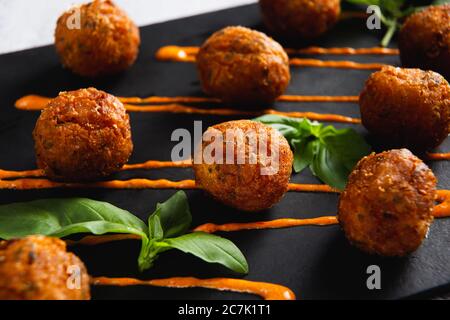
(315, 262)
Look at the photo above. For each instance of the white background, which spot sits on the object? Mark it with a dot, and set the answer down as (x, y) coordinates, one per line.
(29, 23)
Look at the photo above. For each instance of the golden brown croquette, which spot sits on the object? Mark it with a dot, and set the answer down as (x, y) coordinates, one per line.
(243, 66)
(106, 42)
(407, 107)
(303, 19)
(82, 135)
(387, 205)
(424, 40)
(243, 185)
(39, 268)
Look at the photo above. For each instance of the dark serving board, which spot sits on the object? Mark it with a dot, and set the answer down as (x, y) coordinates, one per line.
(315, 262)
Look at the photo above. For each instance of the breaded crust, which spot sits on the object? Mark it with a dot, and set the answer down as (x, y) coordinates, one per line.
(39, 268)
(242, 186)
(424, 40)
(305, 19)
(243, 66)
(82, 135)
(107, 41)
(387, 205)
(407, 107)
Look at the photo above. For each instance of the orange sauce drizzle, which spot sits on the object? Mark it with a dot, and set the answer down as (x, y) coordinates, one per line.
(100, 239)
(335, 64)
(344, 51)
(438, 156)
(33, 102)
(442, 210)
(29, 184)
(267, 291)
(36, 103)
(151, 164)
(187, 54)
(272, 224)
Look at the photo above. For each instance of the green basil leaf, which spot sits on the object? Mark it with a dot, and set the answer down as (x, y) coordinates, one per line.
(155, 230)
(439, 2)
(211, 248)
(347, 145)
(304, 151)
(329, 168)
(173, 215)
(63, 217)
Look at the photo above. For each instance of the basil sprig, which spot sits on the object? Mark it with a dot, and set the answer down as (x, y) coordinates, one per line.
(393, 12)
(167, 227)
(331, 154)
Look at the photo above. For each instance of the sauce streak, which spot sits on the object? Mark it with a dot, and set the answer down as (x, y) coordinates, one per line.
(37, 103)
(438, 156)
(267, 291)
(272, 224)
(187, 54)
(151, 164)
(31, 184)
(335, 64)
(442, 210)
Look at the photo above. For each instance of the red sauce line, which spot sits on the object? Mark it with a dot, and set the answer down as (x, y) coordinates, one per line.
(187, 54)
(438, 156)
(37, 103)
(335, 64)
(442, 210)
(267, 291)
(272, 224)
(151, 164)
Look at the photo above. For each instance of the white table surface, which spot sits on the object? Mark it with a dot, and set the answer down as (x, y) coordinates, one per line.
(30, 23)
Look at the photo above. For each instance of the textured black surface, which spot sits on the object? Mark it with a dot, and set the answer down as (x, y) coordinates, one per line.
(315, 262)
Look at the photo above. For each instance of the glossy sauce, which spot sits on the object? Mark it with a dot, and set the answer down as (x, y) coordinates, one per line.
(438, 156)
(335, 64)
(267, 291)
(151, 164)
(30, 184)
(188, 54)
(442, 209)
(33, 102)
(272, 224)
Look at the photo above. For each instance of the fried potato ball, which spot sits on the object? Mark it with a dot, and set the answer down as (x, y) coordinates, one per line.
(243, 66)
(82, 135)
(304, 19)
(40, 268)
(105, 42)
(407, 107)
(243, 184)
(424, 40)
(387, 205)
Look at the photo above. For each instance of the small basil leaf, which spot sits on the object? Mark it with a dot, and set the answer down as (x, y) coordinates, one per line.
(63, 217)
(149, 253)
(211, 248)
(329, 168)
(155, 230)
(439, 2)
(347, 145)
(174, 215)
